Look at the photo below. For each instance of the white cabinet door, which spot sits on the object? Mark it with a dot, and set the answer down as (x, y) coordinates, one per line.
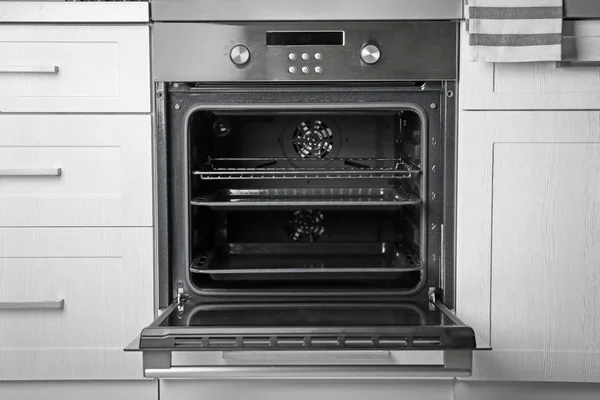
(75, 170)
(58, 68)
(540, 85)
(528, 244)
(104, 278)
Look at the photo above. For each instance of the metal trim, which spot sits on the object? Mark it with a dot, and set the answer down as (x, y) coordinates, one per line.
(457, 363)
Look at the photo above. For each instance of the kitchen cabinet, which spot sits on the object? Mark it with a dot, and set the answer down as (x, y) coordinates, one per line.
(76, 170)
(71, 299)
(59, 68)
(76, 217)
(528, 244)
(541, 85)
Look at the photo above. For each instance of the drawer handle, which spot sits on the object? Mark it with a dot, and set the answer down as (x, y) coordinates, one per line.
(578, 64)
(33, 305)
(30, 171)
(30, 69)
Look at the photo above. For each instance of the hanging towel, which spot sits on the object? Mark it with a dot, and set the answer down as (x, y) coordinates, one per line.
(515, 30)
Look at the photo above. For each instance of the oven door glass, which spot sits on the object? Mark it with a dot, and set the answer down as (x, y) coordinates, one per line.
(307, 328)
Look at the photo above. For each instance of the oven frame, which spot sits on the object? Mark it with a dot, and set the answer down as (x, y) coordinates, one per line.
(433, 101)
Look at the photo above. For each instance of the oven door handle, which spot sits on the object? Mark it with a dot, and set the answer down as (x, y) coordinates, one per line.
(457, 363)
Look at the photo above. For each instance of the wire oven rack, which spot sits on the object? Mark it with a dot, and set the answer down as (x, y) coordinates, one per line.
(302, 168)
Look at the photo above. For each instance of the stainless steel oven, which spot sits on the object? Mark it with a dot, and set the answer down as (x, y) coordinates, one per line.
(305, 200)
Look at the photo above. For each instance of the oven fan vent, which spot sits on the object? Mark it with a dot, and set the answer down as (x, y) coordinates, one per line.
(307, 342)
(305, 225)
(313, 139)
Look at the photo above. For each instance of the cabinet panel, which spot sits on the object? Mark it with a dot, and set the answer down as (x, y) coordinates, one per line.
(545, 256)
(75, 170)
(538, 85)
(53, 68)
(528, 243)
(104, 278)
(465, 390)
(90, 390)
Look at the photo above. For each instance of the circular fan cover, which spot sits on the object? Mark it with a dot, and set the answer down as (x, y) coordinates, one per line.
(305, 226)
(313, 139)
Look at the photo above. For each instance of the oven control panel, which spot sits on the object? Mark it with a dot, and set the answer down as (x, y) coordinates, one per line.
(307, 62)
(306, 51)
(306, 58)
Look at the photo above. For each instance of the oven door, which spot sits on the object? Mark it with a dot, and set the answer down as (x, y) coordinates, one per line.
(306, 341)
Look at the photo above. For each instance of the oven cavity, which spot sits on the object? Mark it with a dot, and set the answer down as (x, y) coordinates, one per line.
(306, 201)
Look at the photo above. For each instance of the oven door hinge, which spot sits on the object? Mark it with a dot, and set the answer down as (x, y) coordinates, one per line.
(434, 296)
(181, 297)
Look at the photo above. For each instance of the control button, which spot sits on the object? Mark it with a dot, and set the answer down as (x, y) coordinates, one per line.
(318, 56)
(370, 54)
(239, 55)
(305, 69)
(305, 56)
(318, 69)
(292, 69)
(292, 56)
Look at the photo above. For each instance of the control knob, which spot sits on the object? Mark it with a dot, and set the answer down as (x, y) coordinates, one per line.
(239, 54)
(370, 54)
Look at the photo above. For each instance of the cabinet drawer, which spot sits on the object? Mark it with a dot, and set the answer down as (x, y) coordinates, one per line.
(301, 389)
(75, 170)
(104, 276)
(74, 68)
(572, 84)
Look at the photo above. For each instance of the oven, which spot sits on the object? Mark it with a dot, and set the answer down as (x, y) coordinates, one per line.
(305, 201)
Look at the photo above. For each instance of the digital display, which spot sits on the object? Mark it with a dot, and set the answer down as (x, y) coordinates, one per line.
(308, 38)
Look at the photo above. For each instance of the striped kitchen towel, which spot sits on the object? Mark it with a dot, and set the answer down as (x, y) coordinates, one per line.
(515, 30)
